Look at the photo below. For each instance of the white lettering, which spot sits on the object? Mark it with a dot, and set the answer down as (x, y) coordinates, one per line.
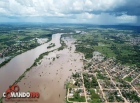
(28, 94)
(18, 94)
(24, 94)
(4, 94)
(13, 94)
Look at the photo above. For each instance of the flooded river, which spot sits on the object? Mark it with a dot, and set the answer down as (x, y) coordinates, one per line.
(49, 77)
(12, 70)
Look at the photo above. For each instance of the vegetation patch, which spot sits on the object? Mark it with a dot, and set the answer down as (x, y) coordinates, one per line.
(51, 45)
(77, 98)
(5, 62)
(100, 76)
(63, 45)
(88, 52)
(131, 96)
(90, 81)
(95, 98)
(128, 78)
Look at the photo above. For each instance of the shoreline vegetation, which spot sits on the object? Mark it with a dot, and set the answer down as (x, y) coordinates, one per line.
(8, 60)
(5, 62)
(51, 45)
(36, 62)
(63, 44)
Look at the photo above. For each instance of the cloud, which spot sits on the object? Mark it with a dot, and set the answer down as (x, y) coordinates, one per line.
(126, 18)
(87, 11)
(52, 7)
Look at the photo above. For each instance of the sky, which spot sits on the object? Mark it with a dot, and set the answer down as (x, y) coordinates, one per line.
(101, 12)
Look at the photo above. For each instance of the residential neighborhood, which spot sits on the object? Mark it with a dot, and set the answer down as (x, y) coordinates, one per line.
(104, 81)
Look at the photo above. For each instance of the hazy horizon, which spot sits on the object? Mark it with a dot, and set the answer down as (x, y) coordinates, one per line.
(97, 12)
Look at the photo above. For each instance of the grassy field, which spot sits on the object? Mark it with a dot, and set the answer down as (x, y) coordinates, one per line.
(129, 79)
(77, 98)
(95, 98)
(112, 42)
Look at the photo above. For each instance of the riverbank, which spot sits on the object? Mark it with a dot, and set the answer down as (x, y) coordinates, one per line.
(8, 60)
(49, 76)
(18, 65)
(36, 63)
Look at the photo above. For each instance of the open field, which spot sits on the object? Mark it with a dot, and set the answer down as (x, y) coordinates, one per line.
(112, 42)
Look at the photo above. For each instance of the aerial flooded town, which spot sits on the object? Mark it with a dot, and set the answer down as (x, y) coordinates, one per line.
(71, 63)
(69, 51)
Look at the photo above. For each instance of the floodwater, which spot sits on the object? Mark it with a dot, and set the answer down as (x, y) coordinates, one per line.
(12, 70)
(49, 77)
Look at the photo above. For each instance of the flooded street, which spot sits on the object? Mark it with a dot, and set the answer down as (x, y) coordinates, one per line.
(12, 70)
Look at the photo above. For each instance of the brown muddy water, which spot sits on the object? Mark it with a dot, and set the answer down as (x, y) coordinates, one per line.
(12, 70)
(49, 77)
